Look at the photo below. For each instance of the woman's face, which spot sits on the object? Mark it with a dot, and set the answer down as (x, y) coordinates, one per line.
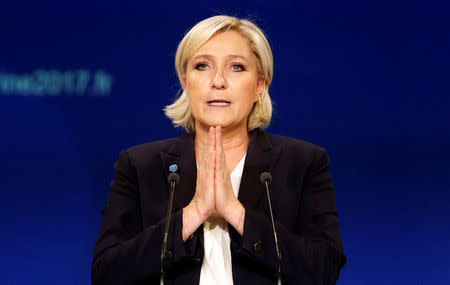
(222, 82)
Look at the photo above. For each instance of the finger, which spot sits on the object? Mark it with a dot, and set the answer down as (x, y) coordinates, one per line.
(212, 138)
(205, 150)
(219, 143)
(219, 152)
(209, 146)
(210, 150)
(221, 155)
(219, 146)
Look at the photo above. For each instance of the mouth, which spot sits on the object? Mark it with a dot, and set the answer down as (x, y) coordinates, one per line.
(219, 103)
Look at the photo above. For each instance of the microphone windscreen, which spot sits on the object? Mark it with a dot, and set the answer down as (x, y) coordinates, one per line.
(174, 177)
(265, 176)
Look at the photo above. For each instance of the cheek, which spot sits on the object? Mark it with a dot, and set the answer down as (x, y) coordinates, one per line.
(250, 91)
(246, 103)
(196, 83)
(189, 84)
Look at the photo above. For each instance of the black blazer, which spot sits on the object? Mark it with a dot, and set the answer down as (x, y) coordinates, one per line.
(129, 245)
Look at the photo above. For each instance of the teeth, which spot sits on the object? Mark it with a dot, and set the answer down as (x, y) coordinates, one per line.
(219, 103)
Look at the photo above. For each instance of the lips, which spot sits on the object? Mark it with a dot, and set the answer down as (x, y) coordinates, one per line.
(218, 103)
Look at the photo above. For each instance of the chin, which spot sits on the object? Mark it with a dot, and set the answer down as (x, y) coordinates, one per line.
(214, 122)
(228, 125)
(218, 123)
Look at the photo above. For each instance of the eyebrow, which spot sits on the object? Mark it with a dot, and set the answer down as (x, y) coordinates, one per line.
(209, 56)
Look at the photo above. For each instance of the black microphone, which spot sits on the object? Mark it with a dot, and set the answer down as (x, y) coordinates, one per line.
(173, 179)
(266, 179)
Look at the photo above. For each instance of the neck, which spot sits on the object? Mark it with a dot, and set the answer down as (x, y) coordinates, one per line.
(235, 142)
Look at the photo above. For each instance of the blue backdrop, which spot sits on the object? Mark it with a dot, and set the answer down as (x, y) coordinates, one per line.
(367, 80)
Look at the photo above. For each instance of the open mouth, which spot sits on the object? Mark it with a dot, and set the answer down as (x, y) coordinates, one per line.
(219, 103)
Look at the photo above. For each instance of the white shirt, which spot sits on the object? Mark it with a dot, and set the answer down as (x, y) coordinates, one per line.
(216, 267)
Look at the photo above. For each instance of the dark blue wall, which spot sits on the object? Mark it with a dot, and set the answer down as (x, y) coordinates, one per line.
(367, 80)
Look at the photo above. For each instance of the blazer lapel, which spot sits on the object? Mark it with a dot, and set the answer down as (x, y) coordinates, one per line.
(261, 156)
(182, 154)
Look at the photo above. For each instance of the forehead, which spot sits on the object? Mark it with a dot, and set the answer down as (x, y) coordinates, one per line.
(225, 43)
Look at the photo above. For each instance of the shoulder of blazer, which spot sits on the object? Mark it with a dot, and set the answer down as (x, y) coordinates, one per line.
(147, 154)
(291, 142)
(154, 146)
(299, 153)
(150, 151)
(299, 146)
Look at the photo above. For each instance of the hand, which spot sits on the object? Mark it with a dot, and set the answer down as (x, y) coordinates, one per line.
(203, 203)
(204, 191)
(226, 203)
(213, 190)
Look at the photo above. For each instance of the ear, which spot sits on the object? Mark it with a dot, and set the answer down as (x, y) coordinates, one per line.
(183, 80)
(260, 87)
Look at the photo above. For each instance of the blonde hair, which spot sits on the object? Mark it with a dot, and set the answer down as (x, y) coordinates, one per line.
(198, 35)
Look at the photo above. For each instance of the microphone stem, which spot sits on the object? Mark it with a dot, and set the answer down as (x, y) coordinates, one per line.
(166, 231)
(266, 182)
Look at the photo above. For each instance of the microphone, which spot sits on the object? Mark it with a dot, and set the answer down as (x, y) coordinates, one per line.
(266, 179)
(173, 179)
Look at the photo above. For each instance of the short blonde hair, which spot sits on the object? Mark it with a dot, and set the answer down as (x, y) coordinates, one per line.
(198, 35)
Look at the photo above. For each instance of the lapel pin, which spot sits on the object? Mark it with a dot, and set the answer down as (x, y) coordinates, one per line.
(173, 168)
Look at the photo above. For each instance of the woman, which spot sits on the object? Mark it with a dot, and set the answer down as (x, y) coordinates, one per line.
(221, 232)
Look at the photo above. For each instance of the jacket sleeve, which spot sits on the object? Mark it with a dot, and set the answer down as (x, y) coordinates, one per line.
(314, 253)
(127, 253)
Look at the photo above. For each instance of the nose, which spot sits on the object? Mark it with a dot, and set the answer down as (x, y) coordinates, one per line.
(218, 81)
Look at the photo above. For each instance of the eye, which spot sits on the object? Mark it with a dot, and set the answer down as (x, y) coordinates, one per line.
(237, 67)
(201, 66)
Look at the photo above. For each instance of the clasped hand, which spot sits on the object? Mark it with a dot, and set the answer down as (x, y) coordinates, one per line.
(213, 190)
